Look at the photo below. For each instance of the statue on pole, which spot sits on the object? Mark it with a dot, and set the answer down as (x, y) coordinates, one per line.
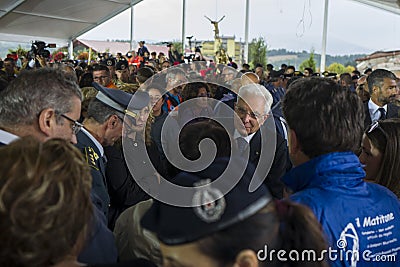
(220, 55)
(215, 23)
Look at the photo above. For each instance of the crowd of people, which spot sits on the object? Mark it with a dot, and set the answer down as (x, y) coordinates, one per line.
(287, 168)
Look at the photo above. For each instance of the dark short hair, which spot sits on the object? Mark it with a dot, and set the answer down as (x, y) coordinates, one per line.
(191, 90)
(193, 133)
(386, 138)
(324, 117)
(100, 67)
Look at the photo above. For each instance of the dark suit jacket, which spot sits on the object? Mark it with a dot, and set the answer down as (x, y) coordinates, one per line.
(97, 168)
(280, 160)
(392, 112)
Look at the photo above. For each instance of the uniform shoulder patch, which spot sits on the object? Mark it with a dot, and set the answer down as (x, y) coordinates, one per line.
(91, 157)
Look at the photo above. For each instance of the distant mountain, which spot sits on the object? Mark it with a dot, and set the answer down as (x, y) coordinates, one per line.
(279, 56)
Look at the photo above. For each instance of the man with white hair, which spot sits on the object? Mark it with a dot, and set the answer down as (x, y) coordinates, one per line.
(253, 108)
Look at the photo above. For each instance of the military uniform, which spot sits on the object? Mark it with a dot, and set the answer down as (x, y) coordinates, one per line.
(93, 150)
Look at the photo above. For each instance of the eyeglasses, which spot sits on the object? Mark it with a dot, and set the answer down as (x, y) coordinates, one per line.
(76, 126)
(243, 112)
(374, 126)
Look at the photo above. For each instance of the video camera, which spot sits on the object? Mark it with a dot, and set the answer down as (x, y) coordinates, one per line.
(38, 49)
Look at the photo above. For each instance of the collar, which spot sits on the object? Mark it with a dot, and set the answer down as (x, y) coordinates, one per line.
(7, 137)
(94, 140)
(248, 138)
(373, 108)
(327, 170)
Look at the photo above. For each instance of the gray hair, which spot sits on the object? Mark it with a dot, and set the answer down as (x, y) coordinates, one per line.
(101, 112)
(256, 90)
(33, 91)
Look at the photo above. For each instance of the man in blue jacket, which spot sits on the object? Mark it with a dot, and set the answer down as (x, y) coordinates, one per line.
(361, 220)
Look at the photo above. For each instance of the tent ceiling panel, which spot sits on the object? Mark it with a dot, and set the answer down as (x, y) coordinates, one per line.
(58, 19)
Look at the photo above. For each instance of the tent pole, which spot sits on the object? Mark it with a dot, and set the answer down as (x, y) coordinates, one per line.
(183, 25)
(131, 39)
(71, 49)
(324, 37)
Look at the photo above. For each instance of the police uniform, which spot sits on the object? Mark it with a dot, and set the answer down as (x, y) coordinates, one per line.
(93, 153)
(91, 147)
(212, 211)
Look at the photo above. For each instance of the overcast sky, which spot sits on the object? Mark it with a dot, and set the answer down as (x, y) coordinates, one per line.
(292, 24)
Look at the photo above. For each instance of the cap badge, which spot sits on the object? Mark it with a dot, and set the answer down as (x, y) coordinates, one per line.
(208, 203)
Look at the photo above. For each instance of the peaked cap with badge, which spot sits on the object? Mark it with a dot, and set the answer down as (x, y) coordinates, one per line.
(179, 225)
(120, 100)
(108, 61)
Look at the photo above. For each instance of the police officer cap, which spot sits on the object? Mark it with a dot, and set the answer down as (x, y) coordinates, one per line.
(120, 100)
(121, 65)
(108, 62)
(330, 75)
(178, 225)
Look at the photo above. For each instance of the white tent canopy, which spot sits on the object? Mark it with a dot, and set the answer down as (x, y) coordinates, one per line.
(55, 20)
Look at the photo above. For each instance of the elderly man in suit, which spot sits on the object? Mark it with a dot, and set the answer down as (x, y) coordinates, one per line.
(266, 149)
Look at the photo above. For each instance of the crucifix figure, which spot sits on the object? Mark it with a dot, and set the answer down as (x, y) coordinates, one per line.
(215, 23)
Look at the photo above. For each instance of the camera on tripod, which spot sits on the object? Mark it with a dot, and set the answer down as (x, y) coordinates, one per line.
(38, 49)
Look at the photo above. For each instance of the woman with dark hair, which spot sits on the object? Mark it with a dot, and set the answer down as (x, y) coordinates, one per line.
(380, 154)
(197, 105)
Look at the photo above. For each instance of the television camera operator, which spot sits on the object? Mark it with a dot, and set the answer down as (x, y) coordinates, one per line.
(38, 54)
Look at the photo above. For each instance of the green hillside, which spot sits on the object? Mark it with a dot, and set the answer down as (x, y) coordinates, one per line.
(278, 56)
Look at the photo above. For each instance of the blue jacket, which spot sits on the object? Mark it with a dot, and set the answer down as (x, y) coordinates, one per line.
(356, 216)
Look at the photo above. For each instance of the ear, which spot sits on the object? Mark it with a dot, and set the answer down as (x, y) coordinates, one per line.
(294, 145)
(246, 258)
(264, 118)
(47, 121)
(375, 88)
(112, 122)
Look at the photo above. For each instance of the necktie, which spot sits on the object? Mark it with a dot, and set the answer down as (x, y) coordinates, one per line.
(383, 113)
(242, 144)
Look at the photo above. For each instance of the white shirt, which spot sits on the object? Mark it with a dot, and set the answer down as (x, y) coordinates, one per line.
(374, 113)
(248, 138)
(6, 137)
(98, 145)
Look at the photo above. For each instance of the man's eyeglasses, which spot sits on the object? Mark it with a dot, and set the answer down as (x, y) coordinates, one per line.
(375, 126)
(76, 126)
(243, 112)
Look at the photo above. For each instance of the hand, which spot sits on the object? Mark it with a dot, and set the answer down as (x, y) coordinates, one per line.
(41, 60)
